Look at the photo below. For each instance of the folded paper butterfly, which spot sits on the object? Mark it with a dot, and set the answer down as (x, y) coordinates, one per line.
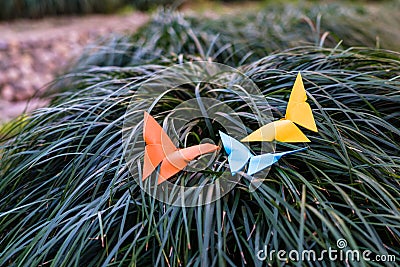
(239, 155)
(298, 111)
(160, 149)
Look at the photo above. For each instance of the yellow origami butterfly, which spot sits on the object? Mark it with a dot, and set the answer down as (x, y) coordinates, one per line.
(285, 130)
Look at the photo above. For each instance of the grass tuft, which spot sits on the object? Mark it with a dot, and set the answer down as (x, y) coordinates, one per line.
(67, 198)
(249, 36)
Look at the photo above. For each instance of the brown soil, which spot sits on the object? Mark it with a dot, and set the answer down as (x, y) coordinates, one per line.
(32, 53)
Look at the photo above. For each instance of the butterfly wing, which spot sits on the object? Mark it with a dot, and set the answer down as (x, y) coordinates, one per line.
(298, 110)
(282, 131)
(158, 145)
(238, 154)
(260, 162)
(153, 156)
(178, 160)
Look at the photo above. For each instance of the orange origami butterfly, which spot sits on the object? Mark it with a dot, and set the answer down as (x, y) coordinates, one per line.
(160, 149)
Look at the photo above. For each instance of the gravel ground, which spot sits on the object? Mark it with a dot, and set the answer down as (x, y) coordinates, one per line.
(32, 53)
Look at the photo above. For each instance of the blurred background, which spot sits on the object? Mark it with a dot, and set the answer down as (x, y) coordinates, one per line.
(40, 40)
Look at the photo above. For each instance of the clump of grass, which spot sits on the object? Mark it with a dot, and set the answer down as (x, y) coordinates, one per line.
(249, 36)
(12, 128)
(66, 195)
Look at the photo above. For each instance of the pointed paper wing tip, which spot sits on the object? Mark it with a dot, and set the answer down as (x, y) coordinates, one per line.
(281, 154)
(209, 148)
(296, 150)
(146, 116)
(253, 137)
(314, 129)
(145, 120)
(249, 138)
(225, 142)
(221, 133)
(162, 179)
(224, 135)
(314, 126)
(299, 79)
